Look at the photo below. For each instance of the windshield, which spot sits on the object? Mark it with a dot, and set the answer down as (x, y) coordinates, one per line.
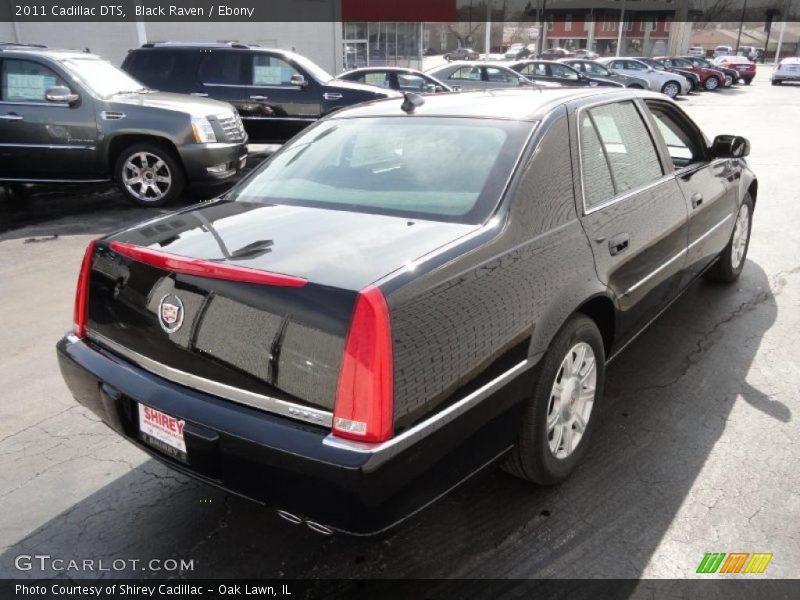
(448, 169)
(100, 76)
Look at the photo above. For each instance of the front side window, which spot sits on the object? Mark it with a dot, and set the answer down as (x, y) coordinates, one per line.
(449, 169)
(682, 140)
(272, 71)
(27, 81)
(635, 65)
(595, 69)
(563, 72)
(467, 74)
(411, 82)
(379, 78)
(625, 145)
(500, 76)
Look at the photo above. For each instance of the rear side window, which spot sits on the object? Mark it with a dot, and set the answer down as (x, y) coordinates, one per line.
(467, 73)
(152, 68)
(26, 81)
(626, 147)
(379, 78)
(224, 67)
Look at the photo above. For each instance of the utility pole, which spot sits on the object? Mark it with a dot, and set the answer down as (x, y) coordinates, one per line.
(488, 35)
(780, 43)
(741, 24)
(621, 25)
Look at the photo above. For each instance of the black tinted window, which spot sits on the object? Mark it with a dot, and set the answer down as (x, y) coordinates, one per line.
(224, 67)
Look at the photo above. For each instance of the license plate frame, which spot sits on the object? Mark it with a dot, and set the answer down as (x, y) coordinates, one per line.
(162, 432)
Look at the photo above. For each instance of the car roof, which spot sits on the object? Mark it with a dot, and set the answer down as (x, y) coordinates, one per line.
(511, 104)
(791, 59)
(384, 68)
(54, 53)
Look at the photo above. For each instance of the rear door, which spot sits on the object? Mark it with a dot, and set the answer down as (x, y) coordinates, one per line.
(632, 210)
(707, 185)
(41, 139)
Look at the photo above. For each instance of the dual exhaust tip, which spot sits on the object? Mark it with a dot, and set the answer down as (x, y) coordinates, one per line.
(297, 520)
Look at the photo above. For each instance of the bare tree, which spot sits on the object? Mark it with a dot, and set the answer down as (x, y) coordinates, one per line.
(463, 38)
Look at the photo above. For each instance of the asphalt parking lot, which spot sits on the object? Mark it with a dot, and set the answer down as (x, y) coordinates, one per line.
(697, 450)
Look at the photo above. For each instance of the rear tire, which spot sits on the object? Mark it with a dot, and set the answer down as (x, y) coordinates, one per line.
(446, 57)
(711, 83)
(149, 174)
(556, 426)
(775, 82)
(730, 262)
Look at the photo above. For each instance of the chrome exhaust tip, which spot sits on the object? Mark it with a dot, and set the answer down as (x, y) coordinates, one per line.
(298, 520)
(292, 518)
(319, 528)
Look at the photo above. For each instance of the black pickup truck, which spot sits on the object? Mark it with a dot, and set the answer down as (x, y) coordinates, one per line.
(277, 93)
(71, 117)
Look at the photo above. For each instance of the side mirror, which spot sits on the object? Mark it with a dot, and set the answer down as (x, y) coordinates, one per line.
(730, 146)
(298, 80)
(650, 69)
(61, 95)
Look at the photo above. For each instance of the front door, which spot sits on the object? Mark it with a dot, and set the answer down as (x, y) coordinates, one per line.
(633, 212)
(259, 85)
(707, 185)
(41, 140)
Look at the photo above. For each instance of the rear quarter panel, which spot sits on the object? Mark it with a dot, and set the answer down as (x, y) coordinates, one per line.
(501, 294)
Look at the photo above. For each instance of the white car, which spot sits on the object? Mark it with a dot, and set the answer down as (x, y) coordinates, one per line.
(723, 51)
(666, 82)
(787, 70)
(697, 51)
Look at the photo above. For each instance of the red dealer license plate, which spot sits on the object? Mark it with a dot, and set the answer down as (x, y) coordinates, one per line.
(162, 431)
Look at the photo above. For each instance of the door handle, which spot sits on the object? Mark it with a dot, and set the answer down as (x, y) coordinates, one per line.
(619, 243)
(332, 96)
(11, 117)
(697, 199)
(201, 94)
(259, 98)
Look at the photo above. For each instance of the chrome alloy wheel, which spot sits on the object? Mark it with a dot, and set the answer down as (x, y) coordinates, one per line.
(146, 177)
(671, 89)
(712, 83)
(571, 400)
(740, 233)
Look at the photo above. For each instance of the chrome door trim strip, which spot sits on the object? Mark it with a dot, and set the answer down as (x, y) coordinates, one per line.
(40, 180)
(256, 118)
(234, 394)
(251, 86)
(382, 451)
(709, 232)
(653, 273)
(683, 252)
(49, 146)
(31, 103)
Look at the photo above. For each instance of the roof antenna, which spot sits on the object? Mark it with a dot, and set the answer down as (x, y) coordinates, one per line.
(411, 101)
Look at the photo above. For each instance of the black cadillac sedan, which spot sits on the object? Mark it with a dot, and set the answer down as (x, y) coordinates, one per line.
(407, 292)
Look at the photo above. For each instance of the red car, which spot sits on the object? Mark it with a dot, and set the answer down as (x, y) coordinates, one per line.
(556, 54)
(710, 79)
(746, 68)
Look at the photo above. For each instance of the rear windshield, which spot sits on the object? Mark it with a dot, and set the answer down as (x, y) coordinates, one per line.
(448, 169)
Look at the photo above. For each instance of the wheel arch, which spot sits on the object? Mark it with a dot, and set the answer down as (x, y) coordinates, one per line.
(602, 310)
(117, 144)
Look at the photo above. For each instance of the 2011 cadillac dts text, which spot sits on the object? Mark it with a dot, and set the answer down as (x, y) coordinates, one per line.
(406, 293)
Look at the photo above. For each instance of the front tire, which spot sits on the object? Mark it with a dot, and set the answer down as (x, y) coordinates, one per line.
(561, 413)
(748, 81)
(671, 89)
(731, 260)
(636, 86)
(711, 83)
(149, 174)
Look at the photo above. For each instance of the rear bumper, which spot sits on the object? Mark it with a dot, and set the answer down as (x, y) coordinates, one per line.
(294, 466)
(208, 163)
(786, 76)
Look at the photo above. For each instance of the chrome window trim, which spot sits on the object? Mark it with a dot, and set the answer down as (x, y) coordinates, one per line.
(382, 451)
(266, 403)
(303, 119)
(250, 85)
(667, 175)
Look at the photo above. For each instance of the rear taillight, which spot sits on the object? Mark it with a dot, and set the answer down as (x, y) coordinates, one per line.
(82, 293)
(365, 395)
